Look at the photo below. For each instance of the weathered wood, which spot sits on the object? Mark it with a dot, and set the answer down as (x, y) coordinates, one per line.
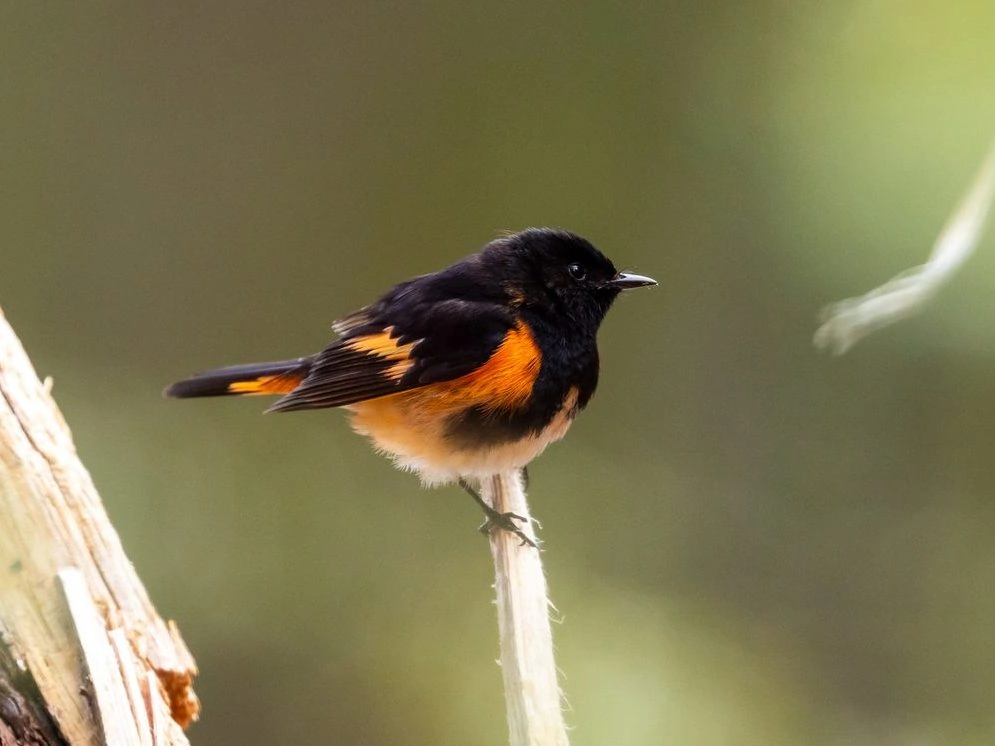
(74, 613)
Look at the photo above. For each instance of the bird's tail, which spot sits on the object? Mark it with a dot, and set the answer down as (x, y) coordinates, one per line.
(238, 380)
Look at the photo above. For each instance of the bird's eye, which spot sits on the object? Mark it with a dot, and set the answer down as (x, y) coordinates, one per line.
(576, 271)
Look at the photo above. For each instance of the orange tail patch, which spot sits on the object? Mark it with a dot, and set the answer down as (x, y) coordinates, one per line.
(282, 383)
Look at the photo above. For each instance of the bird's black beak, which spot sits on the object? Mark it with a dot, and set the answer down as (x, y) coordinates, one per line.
(627, 280)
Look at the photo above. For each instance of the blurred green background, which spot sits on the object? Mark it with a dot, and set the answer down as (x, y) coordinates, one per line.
(748, 543)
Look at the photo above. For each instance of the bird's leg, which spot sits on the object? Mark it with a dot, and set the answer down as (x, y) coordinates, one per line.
(495, 519)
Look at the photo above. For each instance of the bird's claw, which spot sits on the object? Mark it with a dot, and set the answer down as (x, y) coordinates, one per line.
(506, 522)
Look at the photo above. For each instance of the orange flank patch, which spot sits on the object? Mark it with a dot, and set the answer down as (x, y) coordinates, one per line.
(505, 381)
(282, 383)
(386, 346)
(411, 426)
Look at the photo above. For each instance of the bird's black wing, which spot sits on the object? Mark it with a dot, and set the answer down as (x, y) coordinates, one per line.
(404, 341)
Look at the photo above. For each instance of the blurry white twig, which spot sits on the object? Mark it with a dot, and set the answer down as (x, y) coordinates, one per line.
(845, 323)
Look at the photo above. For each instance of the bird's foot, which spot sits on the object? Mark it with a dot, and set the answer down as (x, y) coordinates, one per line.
(498, 520)
(506, 522)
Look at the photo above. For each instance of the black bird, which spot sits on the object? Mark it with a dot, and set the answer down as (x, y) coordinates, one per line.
(463, 373)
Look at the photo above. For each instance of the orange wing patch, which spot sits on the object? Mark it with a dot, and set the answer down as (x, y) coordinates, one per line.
(386, 346)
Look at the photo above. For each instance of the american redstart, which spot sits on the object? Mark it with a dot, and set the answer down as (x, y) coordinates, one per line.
(463, 373)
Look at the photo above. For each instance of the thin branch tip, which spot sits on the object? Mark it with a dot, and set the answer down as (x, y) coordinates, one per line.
(846, 322)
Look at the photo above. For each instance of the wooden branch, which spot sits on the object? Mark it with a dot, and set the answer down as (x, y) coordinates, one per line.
(73, 612)
(532, 695)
